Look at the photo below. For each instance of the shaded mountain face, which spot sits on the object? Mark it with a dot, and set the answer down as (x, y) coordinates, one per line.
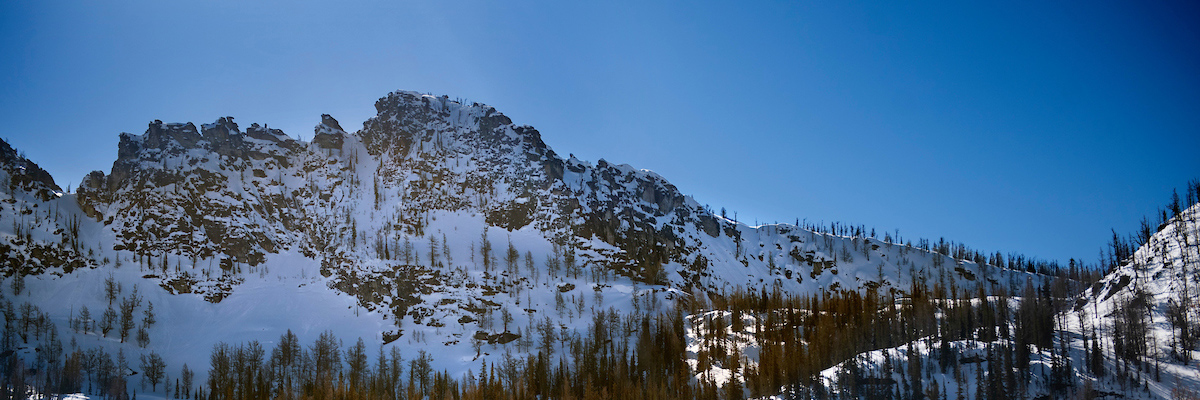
(212, 201)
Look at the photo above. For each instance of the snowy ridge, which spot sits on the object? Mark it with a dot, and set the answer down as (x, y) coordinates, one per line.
(1161, 273)
(1118, 335)
(218, 193)
(380, 233)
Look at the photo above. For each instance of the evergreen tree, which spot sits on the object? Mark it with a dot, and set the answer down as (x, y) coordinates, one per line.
(356, 360)
(85, 319)
(511, 257)
(434, 249)
(127, 321)
(185, 376)
(485, 250)
(148, 318)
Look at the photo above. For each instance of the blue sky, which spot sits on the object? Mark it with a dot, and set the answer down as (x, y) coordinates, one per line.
(1008, 126)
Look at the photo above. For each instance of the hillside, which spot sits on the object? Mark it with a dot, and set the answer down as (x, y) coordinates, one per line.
(1129, 335)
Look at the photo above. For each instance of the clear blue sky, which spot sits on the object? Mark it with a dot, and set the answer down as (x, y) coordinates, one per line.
(1009, 126)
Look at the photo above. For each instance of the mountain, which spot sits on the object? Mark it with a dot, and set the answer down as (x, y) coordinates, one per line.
(219, 193)
(439, 229)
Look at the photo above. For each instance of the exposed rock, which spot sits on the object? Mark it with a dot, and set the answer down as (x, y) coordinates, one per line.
(26, 175)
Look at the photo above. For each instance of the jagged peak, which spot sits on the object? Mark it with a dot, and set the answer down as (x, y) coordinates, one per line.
(225, 123)
(329, 125)
(25, 173)
(574, 161)
(404, 119)
(158, 126)
(220, 134)
(626, 169)
(329, 133)
(406, 98)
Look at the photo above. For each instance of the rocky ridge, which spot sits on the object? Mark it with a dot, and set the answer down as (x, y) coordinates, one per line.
(203, 206)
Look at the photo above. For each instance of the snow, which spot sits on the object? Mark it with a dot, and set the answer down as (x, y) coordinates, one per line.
(444, 181)
(1157, 277)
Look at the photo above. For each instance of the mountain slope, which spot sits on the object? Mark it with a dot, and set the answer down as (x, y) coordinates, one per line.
(439, 226)
(1125, 336)
(42, 233)
(218, 192)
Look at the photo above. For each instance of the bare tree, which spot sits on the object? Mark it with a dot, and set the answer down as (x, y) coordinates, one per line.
(153, 369)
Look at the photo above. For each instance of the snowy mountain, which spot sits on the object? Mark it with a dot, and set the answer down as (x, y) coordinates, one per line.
(216, 193)
(440, 228)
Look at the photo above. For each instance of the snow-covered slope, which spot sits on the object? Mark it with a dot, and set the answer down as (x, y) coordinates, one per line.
(1118, 337)
(40, 231)
(437, 227)
(1131, 309)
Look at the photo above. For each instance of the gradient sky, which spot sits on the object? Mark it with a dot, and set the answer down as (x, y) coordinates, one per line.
(1008, 126)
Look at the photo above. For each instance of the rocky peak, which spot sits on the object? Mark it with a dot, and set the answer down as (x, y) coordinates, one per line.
(26, 175)
(330, 125)
(329, 134)
(165, 136)
(404, 119)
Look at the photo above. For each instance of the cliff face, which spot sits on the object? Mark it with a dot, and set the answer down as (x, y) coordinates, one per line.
(219, 192)
(25, 175)
(38, 236)
(197, 193)
(442, 155)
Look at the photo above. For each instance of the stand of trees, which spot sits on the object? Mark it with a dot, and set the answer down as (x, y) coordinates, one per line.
(1171, 238)
(930, 328)
(603, 363)
(642, 356)
(801, 336)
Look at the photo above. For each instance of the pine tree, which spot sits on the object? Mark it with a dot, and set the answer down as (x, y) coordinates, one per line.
(111, 289)
(434, 249)
(356, 360)
(511, 257)
(186, 378)
(18, 283)
(485, 250)
(530, 266)
(85, 319)
(127, 321)
(148, 319)
(446, 250)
